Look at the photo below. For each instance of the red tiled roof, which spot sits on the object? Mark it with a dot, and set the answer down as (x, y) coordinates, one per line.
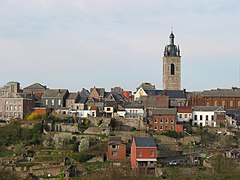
(184, 109)
(93, 108)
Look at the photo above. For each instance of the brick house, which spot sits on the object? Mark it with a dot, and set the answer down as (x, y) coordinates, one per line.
(143, 153)
(227, 98)
(116, 150)
(163, 119)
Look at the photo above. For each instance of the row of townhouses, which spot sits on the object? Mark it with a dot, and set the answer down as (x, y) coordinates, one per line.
(161, 109)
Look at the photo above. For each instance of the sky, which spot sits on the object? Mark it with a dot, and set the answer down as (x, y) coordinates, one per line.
(77, 44)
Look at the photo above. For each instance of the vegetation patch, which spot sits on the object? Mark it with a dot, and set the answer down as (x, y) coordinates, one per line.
(93, 166)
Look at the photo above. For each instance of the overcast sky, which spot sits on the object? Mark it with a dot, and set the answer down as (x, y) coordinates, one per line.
(105, 43)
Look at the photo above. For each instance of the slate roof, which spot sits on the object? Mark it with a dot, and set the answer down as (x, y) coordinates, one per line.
(145, 142)
(114, 138)
(35, 86)
(84, 93)
(164, 111)
(234, 92)
(147, 86)
(134, 105)
(83, 100)
(118, 97)
(170, 93)
(55, 93)
(207, 108)
(72, 96)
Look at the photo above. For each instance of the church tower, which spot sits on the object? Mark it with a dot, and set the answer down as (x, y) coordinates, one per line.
(171, 66)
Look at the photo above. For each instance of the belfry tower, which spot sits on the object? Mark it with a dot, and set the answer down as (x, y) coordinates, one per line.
(171, 66)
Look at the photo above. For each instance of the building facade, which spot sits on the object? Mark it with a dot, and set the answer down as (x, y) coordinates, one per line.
(229, 99)
(208, 116)
(171, 66)
(15, 106)
(163, 119)
(143, 153)
(116, 150)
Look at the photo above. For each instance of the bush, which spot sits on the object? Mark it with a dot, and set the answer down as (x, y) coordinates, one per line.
(82, 157)
(173, 134)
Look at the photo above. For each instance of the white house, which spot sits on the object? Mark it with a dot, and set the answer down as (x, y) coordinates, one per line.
(206, 115)
(184, 113)
(134, 111)
(140, 92)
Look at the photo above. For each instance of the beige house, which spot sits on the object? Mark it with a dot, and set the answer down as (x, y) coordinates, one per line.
(15, 106)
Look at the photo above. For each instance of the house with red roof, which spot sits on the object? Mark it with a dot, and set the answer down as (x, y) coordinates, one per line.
(184, 113)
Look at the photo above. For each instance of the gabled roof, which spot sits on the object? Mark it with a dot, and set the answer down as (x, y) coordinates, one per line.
(145, 142)
(116, 96)
(164, 111)
(146, 86)
(36, 86)
(84, 93)
(55, 93)
(73, 96)
(207, 108)
(82, 100)
(100, 91)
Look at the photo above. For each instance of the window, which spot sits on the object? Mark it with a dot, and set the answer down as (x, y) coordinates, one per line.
(155, 120)
(172, 127)
(215, 103)
(212, 117)
(19, 107)
(238, 103)
(161, 120)
(114, 146)
(207, 103)
(180, 115)
(223, 103)
(200, 117)
(172, 120)
(161, 127)
(11, 107)
(231, 103)
(114, 153)
(108, 109)
(46, 102)
(6, 102)
(52, 102)
(172, 69)
(195, 117)
(140, 153)
(151, 153)
(166, 120)
(207, 117)
(59, 102)
(15, 108)
(155, 128)
(185, 115)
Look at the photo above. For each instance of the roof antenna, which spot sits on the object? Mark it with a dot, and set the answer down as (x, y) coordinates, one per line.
(172, 28)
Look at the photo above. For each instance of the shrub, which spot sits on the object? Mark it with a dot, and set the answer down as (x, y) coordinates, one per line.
(172, 134)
